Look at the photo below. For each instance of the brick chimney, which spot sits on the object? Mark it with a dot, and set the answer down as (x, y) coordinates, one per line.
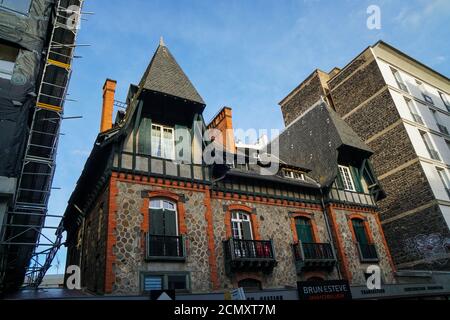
(109, 90)
(223, 122)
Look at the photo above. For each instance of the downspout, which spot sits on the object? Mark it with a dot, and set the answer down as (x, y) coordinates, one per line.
(330, 235)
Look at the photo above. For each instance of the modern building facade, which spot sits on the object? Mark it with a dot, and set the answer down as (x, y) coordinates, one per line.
(36, 48)
(149, 212)
(400, 109)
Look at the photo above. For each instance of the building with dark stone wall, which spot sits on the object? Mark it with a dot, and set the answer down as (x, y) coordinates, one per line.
(400, 108)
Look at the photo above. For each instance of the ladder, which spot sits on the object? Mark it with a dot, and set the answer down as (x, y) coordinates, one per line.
(27, 215)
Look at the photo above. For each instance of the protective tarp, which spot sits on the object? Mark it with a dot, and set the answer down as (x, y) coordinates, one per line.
(28, 31)
(18, 94)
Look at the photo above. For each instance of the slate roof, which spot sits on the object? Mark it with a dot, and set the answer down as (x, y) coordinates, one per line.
(164, 75)
(315, 139)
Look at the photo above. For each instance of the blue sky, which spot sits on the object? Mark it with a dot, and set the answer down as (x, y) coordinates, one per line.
(244, 54)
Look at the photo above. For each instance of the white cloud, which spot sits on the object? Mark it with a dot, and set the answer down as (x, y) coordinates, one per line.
(416, 17)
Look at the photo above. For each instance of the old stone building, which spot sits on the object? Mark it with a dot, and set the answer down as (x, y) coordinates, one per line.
(400, 109)
(150, 212)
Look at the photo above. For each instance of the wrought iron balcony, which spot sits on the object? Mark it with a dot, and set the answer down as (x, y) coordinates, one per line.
(367, 252)
(249, 255)
(313, 256)
(159, 247)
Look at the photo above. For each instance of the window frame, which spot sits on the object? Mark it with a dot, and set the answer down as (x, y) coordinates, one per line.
(5, 7)
(309, 224)
(344, 180)
(161, 144)
(399, 80)
(165, 280)
(239, 221)
(293, 174)
(445, 180)
(162, 202)
(427, 140)
(444, 99)
(414, 111)
(424, 92)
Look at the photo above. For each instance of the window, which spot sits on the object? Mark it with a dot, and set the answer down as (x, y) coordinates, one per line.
(304, 230)
(163, 143)
(250, 284)
(292, 174)
(424, 92)
(8, 56)
(170, 281)
(442, 128)
(241, 226)
(163, 217)
(347, 180)
(429, 145)
(360, 231)
(413, 110)
(399, 80)
(445, 100)
(444, 179)
(20, 6)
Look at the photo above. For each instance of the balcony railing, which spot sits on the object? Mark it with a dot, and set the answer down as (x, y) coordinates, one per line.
(367, 252)
(351, 196)
(313, 256)
(249, 255)
(442, 128)
(160, 247)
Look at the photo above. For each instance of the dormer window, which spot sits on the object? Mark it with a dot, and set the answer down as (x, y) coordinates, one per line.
(163, 143)
(293, 174)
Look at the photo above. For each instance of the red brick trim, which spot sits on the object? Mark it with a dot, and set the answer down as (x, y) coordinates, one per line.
(111, 236)
(386, 247)
(340, 243)
(211, 243)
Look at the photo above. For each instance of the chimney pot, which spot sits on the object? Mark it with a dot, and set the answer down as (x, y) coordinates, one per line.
(109, 90)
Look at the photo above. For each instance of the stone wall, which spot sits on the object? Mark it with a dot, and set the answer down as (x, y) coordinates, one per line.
(355, 267)
(129, 248)
(302, 98)
(94, 246)
(422, 237)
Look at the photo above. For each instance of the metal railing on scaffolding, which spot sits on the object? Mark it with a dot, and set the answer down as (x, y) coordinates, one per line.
(27, 218)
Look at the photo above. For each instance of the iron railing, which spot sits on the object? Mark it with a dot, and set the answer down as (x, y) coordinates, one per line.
(313, 251)
(236, 249)
(161, 247)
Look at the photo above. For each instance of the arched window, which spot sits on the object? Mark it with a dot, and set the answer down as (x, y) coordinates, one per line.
(360, 231)
(241, 225)
(163, 217)
(304, 230)
(250, 284)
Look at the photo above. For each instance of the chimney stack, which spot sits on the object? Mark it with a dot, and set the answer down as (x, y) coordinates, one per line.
(109, 90)
(223, 122)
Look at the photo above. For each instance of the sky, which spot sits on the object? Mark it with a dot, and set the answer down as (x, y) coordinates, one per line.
(247, 55)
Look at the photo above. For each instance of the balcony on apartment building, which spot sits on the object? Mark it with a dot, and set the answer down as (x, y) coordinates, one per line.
(367, 252)
(165, 248)
(310, 256)
(249, 255)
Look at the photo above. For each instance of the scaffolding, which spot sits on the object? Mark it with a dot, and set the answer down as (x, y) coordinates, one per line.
(26, 242)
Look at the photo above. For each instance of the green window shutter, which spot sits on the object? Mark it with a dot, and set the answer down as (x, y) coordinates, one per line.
(144, 137)
(339, 182)
(304, 230)
(183, 144)
(356, 179)
(170, 223)
(246, 230)
(156, 221)
(360, 231)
